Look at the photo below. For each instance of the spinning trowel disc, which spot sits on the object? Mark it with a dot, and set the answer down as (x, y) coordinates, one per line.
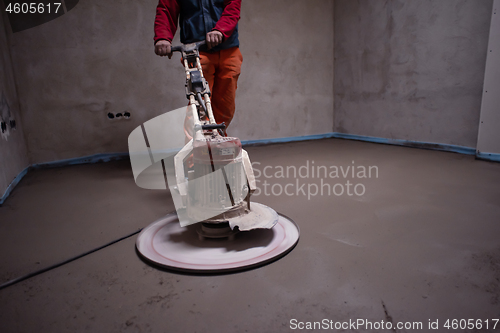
(165, 243)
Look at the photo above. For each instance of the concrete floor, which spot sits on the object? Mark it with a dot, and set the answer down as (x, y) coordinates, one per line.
(422, 243)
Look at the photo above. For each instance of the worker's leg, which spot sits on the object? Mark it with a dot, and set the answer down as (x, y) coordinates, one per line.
(225, 84)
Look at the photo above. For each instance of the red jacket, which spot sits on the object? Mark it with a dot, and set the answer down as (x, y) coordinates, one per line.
(197, 18)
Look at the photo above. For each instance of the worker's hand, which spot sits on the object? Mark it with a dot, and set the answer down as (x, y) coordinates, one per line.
(214, 38)
(163, 48)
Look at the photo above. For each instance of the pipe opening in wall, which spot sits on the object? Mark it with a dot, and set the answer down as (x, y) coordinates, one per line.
(3, 125)
(118, 115)
(126, 115)
(111, 116)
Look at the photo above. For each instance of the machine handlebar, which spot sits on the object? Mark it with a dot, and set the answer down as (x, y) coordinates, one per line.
(188, 47)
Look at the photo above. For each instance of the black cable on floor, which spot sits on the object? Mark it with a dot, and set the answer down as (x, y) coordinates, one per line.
(43, 270)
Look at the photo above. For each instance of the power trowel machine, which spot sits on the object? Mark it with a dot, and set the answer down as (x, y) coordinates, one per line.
(213, 181)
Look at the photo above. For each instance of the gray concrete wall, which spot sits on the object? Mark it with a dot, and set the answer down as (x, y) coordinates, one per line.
(410, 69)
(98, 58)
(95, 59)
(13, 153)
(286, 85)
(489, 125)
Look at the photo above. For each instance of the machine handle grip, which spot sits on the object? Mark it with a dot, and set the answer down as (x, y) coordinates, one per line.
(214, 126)
(177, 48)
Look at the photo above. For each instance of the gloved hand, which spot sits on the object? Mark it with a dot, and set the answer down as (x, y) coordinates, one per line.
(163, 48)
(214, 38)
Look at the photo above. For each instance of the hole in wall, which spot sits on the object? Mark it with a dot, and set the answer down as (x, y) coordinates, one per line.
(13, 124)
(119, 115)
(3, 125)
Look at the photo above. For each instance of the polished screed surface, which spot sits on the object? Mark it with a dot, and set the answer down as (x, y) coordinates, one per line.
(412, 236)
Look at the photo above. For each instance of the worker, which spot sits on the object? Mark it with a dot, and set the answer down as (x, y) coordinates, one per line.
(215, 21)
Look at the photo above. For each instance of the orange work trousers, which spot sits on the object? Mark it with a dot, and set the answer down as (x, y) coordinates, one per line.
(222, 69)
